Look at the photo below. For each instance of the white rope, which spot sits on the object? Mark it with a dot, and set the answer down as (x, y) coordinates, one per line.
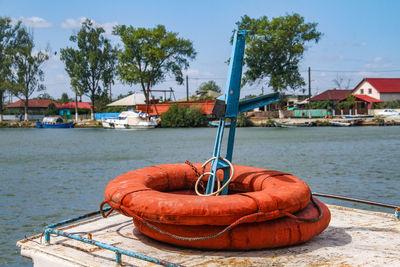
(219, 190)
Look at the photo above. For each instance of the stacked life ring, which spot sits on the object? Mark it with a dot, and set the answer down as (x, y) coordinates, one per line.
(264, 208)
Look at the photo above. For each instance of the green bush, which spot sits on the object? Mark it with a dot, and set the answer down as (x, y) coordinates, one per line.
(182, 116)
(389, 104)
(325, 104)
(243, 121)
(322, 123)
(51, 110)
(116, 109)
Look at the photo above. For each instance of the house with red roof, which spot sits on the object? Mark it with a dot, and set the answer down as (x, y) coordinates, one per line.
(34, 105)
(381, 89)
(335, 95)
(375, 90)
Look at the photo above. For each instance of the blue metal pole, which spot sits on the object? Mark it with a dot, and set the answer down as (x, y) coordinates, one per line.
(231, 98)
(118, 257)
(216, 154)
(118, 251)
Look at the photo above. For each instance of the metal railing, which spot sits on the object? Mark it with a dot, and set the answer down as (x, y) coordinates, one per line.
(363, 201)
(51, 229)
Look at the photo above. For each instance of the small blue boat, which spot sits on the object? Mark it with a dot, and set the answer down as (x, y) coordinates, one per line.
(215, 124)
(54, 122)
(358, 116)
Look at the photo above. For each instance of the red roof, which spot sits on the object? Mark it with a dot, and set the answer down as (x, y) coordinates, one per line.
(34, 103)
(334, 94)
(367, 98)
(83, 105)
(384, 85)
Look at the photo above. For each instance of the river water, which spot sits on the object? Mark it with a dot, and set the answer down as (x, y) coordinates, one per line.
(48, 175)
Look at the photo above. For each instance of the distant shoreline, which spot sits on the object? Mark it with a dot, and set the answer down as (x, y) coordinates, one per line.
(256, 121)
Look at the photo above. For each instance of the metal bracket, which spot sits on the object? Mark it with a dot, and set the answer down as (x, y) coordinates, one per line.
(228, 106)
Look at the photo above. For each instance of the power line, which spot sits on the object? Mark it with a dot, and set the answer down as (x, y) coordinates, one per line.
(354, 71)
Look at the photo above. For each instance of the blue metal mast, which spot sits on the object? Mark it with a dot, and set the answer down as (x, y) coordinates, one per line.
(229, 106)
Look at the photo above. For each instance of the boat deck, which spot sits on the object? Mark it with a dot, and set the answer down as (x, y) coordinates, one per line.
(353, 238)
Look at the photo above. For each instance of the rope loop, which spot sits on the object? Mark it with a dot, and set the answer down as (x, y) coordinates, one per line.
(219, 190)
(320, 213)
(103, 212)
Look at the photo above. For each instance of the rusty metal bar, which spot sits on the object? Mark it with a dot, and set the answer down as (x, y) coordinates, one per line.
(118, 251)
(385, 205)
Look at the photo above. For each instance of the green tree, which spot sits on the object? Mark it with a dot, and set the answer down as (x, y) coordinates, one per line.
(51, 110)
(323, 104)
(182, 116)
(275, 48)
(45, 96)
(9, 43)
(389, 104)
(91, 67)
(243, 121)
(149, 55)
(348, 103)
(27, 66)
(102, 101)
(208, 86)
(64, 98)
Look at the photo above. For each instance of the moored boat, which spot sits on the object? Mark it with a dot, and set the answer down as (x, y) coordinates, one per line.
(54, 122)
(293, 125)
(340, 123)
(215, 124)
(130, 120)
(358, 116)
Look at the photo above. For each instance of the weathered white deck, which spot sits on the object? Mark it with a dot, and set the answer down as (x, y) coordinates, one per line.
(354, 238)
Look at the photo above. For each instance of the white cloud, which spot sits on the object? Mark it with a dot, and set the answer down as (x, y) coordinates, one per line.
(379, 63)
(366, 74)
(195, 73)
(109, 26)
(191, 72)
(35, 22)
(71, 23)
(363, 43)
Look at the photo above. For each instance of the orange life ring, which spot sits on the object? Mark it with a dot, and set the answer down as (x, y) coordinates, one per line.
(162, 196)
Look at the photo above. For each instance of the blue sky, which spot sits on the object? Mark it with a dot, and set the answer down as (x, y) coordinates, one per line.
(361, 38)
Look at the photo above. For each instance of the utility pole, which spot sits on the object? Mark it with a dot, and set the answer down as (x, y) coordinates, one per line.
(309, 93)
(187, 88)
(110, 91)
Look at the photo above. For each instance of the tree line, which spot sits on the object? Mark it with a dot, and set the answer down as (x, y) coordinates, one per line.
(147, 56)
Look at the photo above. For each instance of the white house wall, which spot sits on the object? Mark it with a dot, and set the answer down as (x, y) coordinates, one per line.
(365, 86)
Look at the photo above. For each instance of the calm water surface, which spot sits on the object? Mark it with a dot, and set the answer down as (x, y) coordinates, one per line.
(48, 175)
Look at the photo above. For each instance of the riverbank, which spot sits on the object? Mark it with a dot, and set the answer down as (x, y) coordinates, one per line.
(31, 124)
(256, 121)
(375, 121)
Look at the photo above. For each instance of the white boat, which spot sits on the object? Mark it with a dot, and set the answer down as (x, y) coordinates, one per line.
(130, 120)
(340, 123)
(293, 125)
